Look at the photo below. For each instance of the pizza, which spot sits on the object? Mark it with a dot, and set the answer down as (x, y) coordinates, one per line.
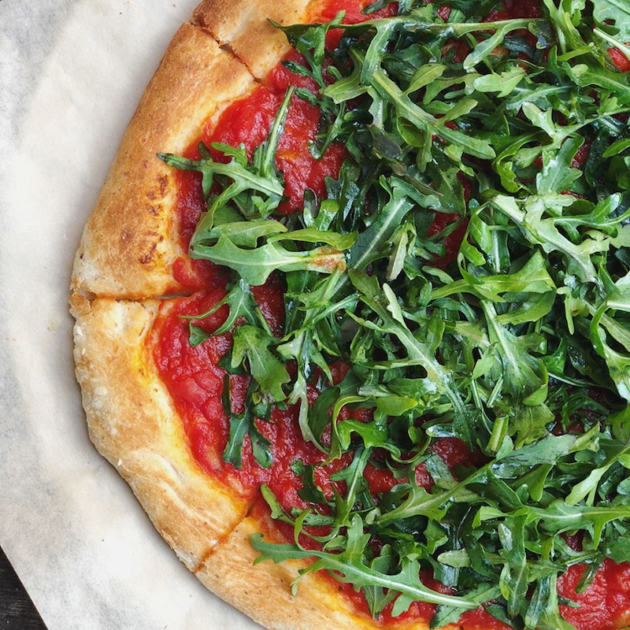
(353, 311)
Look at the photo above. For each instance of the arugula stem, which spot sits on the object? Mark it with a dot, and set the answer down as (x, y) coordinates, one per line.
(625, 49)
(268, 165)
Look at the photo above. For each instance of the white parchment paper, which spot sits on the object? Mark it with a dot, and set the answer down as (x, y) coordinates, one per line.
(71, 75)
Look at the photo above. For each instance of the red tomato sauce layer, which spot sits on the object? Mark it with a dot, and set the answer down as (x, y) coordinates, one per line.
(605, 604)
(196, 381)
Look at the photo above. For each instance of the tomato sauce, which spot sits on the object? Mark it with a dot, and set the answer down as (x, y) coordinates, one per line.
(603, 603)
(195, 378)
(195, 381)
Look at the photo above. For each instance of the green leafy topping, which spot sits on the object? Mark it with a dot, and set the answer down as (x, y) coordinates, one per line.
(243, 307)
(349, 564)
(241, 425)
(254, 344)
(616, 10)
(470, 266)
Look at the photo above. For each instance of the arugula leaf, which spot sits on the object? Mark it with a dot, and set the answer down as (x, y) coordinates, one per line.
(449, 614)
(546, 451)
(426, 122)
(197, 336)
(369, 244)
(255, 266)
(514, 580)
(241, 233)
(254, 344)
(502, 84)
(349, 565)
(260, 180)
(384, 305)
(243, 178)
(240, 426)
(242, 306)
(560, 517)
(618, 12)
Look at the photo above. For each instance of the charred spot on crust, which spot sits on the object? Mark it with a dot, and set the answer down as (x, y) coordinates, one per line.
(149, 256)
(154, 210)
(163, 183)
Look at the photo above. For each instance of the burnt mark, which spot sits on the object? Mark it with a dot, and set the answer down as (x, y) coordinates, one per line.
(147, 258)
(154, 210)
(163, 183)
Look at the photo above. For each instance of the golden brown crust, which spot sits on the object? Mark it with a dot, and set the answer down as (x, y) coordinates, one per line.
(131, 240)
(133, 423)
(264, 591)
(243, 26)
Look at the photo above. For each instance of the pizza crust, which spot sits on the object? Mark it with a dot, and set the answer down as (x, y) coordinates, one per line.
(131, 240)
(264, 591)
(133, 423)
(243, 26)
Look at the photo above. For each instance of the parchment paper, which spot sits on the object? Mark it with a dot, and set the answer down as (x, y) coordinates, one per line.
(71, 75)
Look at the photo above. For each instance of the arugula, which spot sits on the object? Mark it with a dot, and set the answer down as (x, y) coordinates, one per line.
(470, 265)
(241, 425)
(349, 564)
(242, 305)
(254, 344)
(254, 266)
(617, 11)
